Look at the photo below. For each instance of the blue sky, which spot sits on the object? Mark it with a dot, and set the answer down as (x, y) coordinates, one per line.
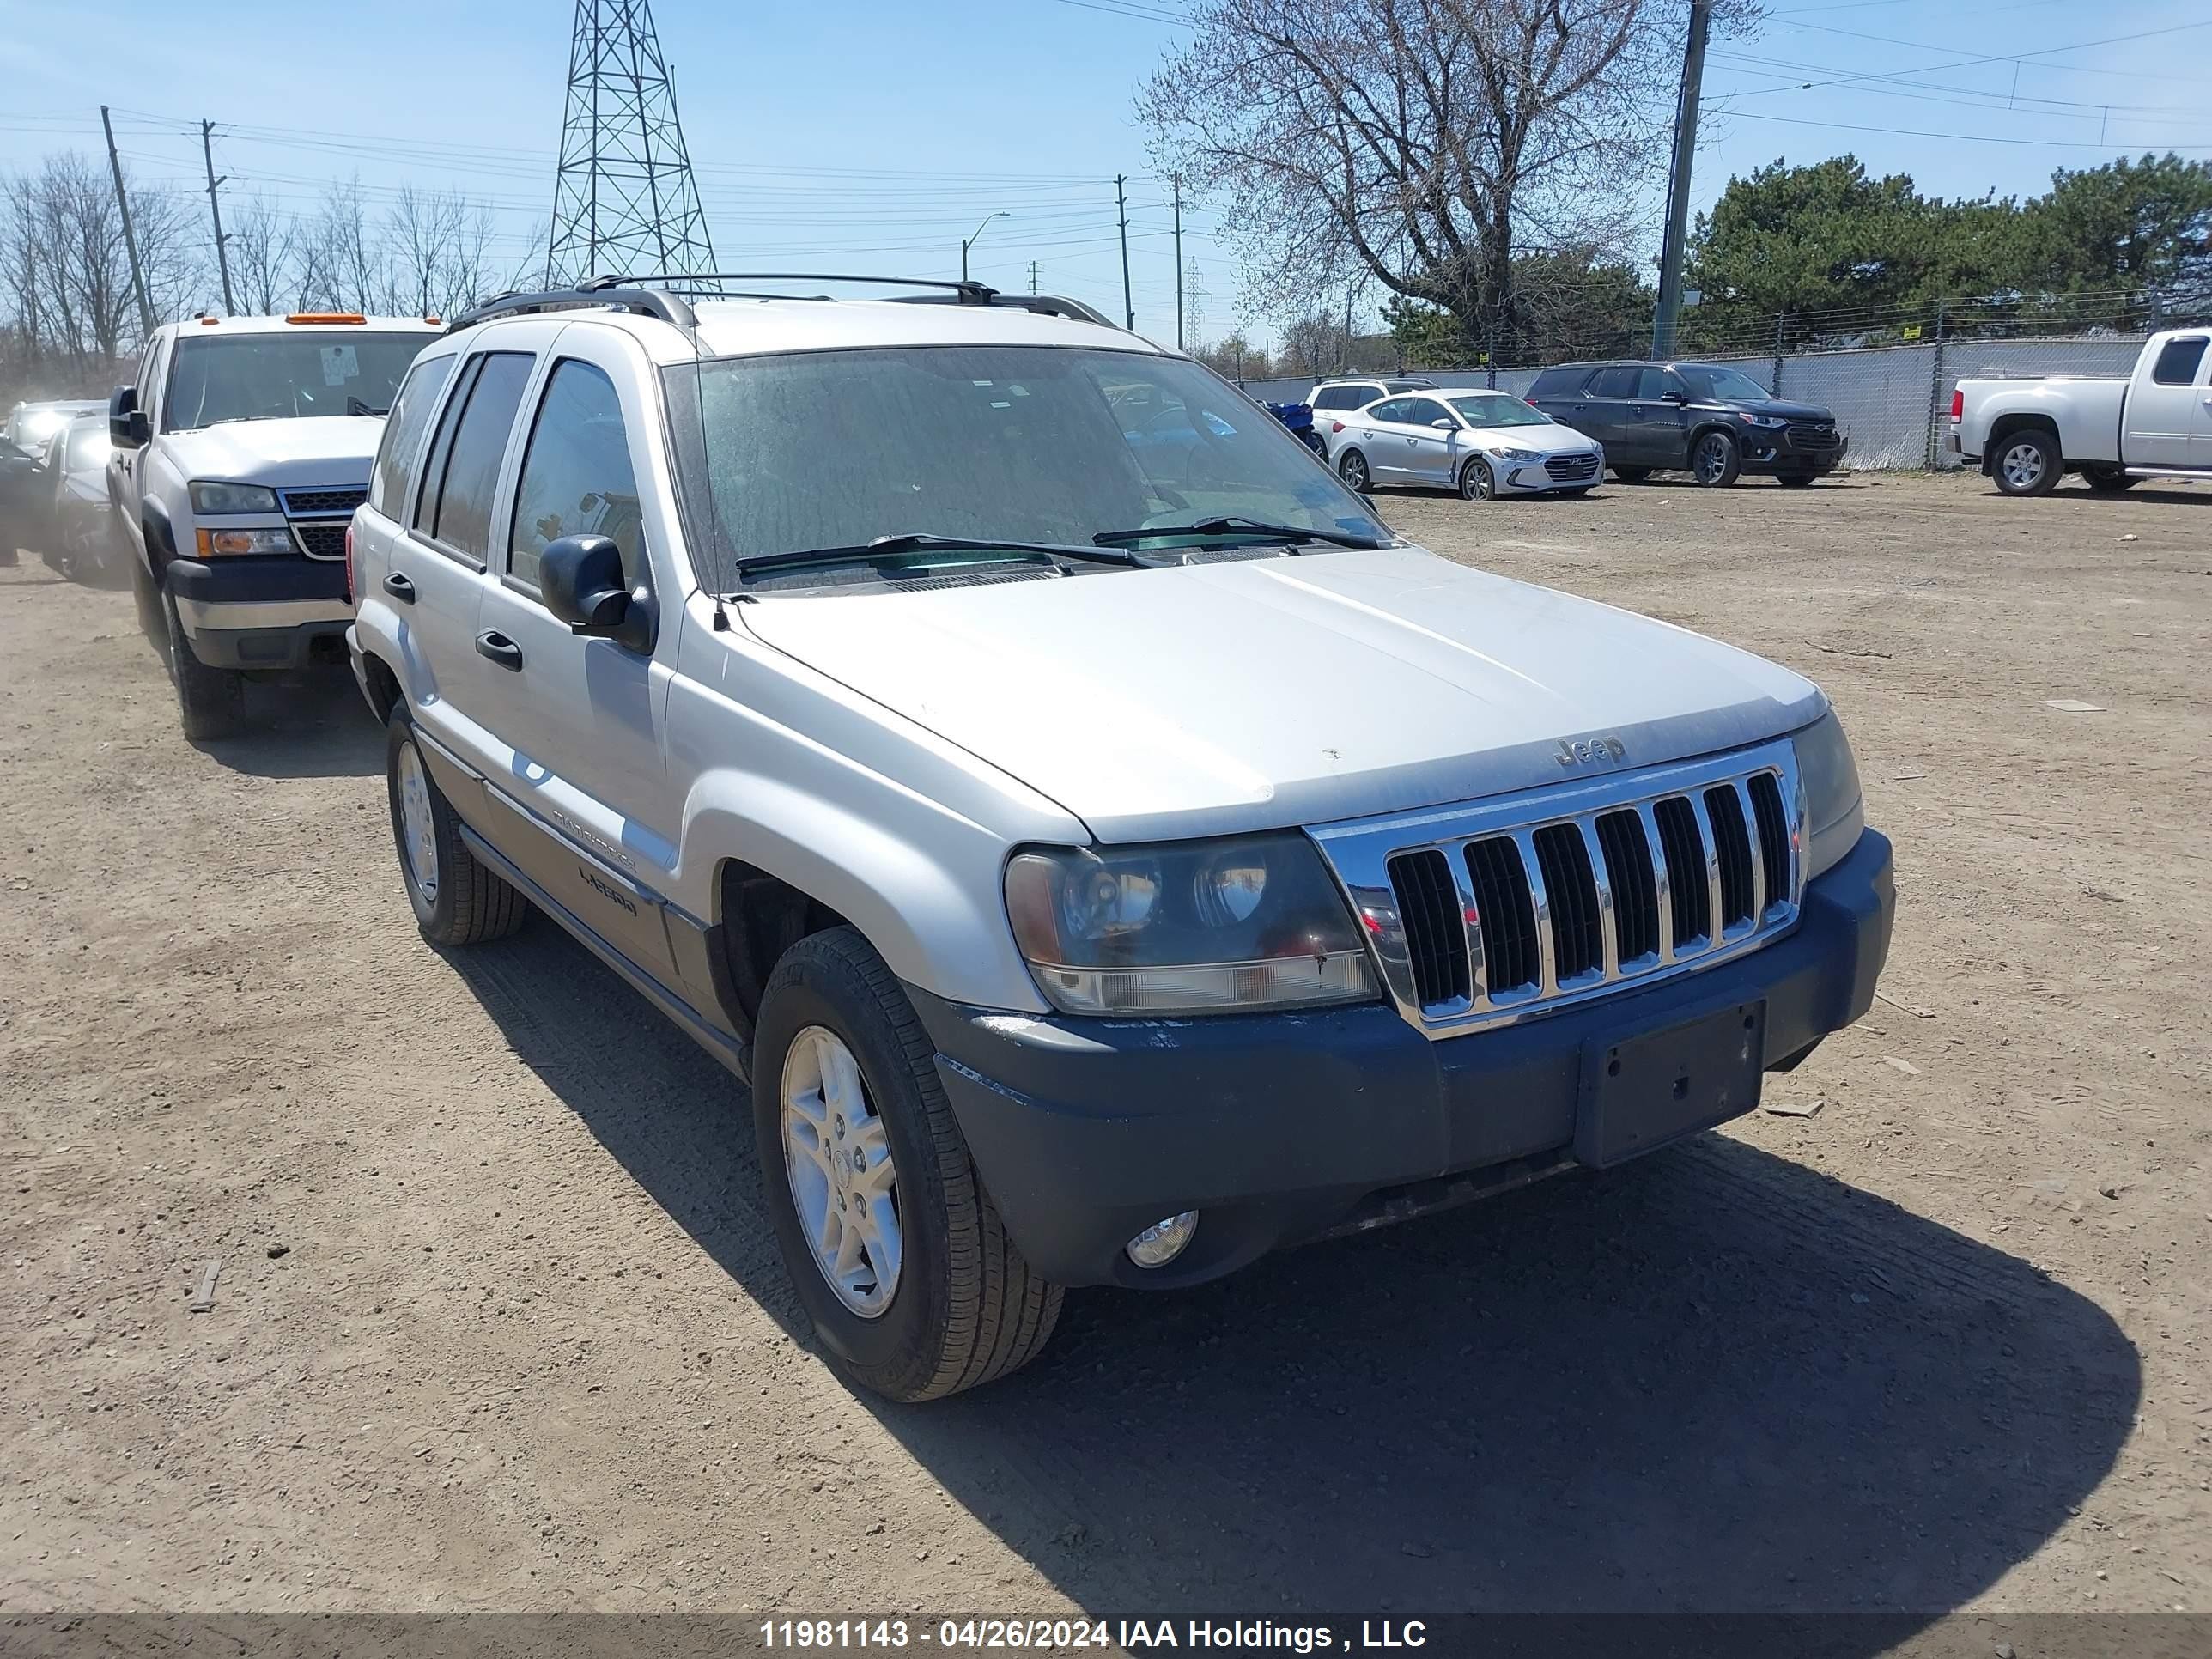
(873, 136)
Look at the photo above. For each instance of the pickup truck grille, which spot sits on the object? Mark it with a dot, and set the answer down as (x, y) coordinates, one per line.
(1814, 434)
(1496, 911)
(316, 503)
(319, 517)
(1570, 469)
(326, 540)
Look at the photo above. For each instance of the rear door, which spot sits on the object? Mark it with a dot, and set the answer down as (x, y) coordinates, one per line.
(2167, 421)
(585, 717)
(1601, 412)
(1384, 438)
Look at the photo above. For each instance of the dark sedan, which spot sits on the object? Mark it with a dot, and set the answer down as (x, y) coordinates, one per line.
(1708, 419)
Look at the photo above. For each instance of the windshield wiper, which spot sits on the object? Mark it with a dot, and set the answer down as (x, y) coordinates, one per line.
(922, 542)
(1232, 525)
(359, 406)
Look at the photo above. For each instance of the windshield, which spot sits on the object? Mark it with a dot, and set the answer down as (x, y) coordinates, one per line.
(1500, 408)
(88, 447)
(282, 376)
(29, 426)
(833, 449)
(1722, 384)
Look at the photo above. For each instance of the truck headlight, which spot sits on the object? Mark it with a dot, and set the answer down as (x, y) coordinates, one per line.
(224, 543)
(1186, 927)
(1834, 814)
(233, 498)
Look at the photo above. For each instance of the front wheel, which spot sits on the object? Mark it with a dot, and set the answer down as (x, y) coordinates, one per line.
(2029, 465)
(1476, 482)
(1352, 467)
(895, 1249)
(1715, 460)
(2108, 480)
(210, 701)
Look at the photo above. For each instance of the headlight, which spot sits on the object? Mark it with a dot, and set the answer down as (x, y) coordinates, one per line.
(1772, 422)
(1830, 778)
(1512, 452)
(233, 498)
(1186, 927)
(224, 543)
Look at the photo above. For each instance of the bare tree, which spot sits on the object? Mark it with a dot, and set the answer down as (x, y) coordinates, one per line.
(1425, 142)
(439, 246)
(264, 249)
(341, 268)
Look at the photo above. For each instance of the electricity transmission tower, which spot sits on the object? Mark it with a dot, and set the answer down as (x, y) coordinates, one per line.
(623, 199)
(1194, 305)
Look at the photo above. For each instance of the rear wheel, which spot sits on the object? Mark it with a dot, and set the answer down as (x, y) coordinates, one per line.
(1352, 467)
(2027, 464)
(2109, 480)
(1476, 482)
(455, 899)
(1632, 474)
(893, 1245)
(1714, 460)
(211, 701)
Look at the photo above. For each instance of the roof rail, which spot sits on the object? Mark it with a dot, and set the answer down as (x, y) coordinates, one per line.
(1045, 304)
(645, 301)
(972, 294)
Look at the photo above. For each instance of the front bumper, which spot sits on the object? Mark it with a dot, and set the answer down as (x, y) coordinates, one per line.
(1534, 476)
(1279, 1126)
(255, 613)
(1782, 451)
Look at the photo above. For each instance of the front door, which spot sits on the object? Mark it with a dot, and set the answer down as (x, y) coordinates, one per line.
(583, 718)
(1656, 430)
(1433, 453)
(2166, 417)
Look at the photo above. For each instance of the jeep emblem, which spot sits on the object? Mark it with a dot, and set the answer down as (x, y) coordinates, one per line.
(1589, 751)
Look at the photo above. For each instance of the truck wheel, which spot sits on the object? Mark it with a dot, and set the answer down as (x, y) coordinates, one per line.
(1715, 460)
(1632, 474)
(212, 700)
(1352, 467)
(895, 1249)
(2028, 464)
(1475, 483)
(455, 899)
(2109, 480)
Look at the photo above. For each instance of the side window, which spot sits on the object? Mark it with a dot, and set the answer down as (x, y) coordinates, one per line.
(456, 507)
(1617, 381)
(1398, 409)
(394, 474)
(2177, 362)
(1421, 411)
(576, 475)
(1653, 384)
(1339, 397)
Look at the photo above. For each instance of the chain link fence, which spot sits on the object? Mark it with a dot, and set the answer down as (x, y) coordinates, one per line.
(1893, 401)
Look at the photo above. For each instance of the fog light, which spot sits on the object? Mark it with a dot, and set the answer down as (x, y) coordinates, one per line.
(1163, 1241)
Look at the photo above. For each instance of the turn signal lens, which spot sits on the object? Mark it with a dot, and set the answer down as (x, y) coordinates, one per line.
(224, 543)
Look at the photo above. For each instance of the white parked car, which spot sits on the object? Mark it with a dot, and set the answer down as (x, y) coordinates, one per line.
(239, 452)
(1109, 855)
(1480, 442)
(2029, 434)
(1339, 396)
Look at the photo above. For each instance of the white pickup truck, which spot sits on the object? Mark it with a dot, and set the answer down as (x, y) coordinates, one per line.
(2157, 424)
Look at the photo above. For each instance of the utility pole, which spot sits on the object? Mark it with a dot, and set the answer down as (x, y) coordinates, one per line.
(130, 242)
(1669, 315)
(1122, 208)
(215, 210)
(1033, 275)
(1177, 180)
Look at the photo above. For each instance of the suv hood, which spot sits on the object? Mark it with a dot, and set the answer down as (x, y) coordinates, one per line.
(1214, 698)
(1788, 411)
(322, 449)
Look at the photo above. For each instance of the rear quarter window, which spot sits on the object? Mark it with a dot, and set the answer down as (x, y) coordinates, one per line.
(1558, 383)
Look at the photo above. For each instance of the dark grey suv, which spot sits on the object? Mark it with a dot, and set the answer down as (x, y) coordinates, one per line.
(1708, 419)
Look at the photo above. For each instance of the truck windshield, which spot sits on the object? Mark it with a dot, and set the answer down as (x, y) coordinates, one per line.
(1024, 444)
(284, 377)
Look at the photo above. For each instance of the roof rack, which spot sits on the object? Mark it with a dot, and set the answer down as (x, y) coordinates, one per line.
(1045, 304)
(600, 291)
(972, 294)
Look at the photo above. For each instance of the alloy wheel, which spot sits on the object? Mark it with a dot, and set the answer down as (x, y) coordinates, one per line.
(1353, 470)
(1475, 481)
(1712, 457)
(837, 1156)
(2022, 465)
(418, 847)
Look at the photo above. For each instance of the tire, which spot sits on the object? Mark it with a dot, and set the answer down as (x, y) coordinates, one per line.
(1795, 480)
(961, 1307)
(1632, 474)
(211, 701)
(1476, 481)
(2027, 464)
(151, 621)
(1715, 460)
(1352, 467)
(462, 903)
(2108, 480)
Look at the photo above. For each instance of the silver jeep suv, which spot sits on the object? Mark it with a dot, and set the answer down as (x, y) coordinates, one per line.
(1106, 849)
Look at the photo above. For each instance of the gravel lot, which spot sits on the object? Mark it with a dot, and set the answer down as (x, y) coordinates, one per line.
(499, 1324)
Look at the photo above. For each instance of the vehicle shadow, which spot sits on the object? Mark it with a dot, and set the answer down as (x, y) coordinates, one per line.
(312, 724)
(1716, 1381)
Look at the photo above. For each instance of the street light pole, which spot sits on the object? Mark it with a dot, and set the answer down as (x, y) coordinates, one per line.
(971, 241)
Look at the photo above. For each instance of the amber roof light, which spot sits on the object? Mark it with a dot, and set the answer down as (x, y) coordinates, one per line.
(327, 317)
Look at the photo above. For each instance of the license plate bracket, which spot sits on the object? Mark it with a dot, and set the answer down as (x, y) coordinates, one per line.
(1642, 1092)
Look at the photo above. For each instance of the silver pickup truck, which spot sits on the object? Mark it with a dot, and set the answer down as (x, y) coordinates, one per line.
(2157, 424)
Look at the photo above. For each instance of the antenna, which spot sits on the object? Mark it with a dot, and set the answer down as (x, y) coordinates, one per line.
(623, 197)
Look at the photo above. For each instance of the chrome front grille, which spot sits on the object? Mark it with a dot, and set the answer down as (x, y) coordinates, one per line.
(1499, 910)
(1567, 469)
(319, 519)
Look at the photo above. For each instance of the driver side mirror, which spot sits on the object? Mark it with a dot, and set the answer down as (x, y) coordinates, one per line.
(1671, 396)
(579, 578)
(1443, 425)
(126, 422)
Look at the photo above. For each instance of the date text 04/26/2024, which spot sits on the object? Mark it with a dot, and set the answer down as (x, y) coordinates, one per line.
(1127, 1634)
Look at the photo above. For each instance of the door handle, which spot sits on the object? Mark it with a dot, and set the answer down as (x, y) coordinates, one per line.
(500, 649)
(400, 588)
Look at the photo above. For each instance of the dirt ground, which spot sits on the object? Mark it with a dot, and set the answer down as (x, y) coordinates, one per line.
(499, 1324)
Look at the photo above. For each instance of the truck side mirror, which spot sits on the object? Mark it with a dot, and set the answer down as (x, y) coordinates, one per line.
(126, 422)
(579, 578)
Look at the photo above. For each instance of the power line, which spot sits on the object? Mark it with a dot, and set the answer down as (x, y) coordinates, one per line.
(1954, 138)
